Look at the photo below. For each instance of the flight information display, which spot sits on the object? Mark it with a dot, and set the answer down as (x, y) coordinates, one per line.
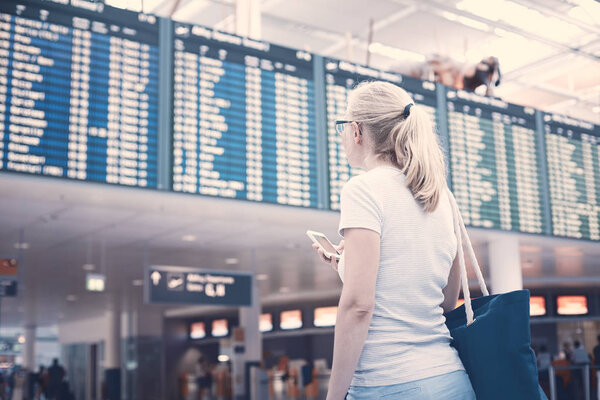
(79, 92)
(573, 156)
(341, 77)
(495, 163)
(243, 118)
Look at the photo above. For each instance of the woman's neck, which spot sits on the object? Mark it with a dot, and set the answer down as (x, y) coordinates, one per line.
(372, 161)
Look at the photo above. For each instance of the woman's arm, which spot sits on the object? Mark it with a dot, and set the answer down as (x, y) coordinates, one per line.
(452, 288)
(355, 308)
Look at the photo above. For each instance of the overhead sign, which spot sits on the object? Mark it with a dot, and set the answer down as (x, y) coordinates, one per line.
(8, 288)
(183, 285)
(8, 268)
(95, 282)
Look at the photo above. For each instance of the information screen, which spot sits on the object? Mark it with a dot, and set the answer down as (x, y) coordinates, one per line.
(495, 163)
(572, 305)
(79, 92)
(341, 77)
(573, 153)
(244, 119)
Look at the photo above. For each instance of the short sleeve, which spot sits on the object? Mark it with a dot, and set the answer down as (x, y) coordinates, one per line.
(359, 207)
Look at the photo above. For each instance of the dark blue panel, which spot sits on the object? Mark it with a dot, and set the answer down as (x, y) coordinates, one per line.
(177, 285)
(244, 119)
(79, 92)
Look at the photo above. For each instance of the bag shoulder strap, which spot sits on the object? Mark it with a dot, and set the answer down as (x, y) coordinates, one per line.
(461, 233)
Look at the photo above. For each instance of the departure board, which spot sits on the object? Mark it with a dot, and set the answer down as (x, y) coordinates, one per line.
(573, 156)
(79, 92)
(243, 119)
(341, 77)
(495, 163)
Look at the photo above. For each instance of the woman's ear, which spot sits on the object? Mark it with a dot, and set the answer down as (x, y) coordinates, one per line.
(356, 133)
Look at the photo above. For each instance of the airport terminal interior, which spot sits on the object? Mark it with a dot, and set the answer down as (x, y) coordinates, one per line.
(162, 160)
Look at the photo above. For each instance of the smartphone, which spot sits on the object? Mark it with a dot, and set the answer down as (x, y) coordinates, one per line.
(321, 240)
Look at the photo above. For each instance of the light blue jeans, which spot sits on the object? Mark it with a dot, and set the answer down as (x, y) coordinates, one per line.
(451, 386)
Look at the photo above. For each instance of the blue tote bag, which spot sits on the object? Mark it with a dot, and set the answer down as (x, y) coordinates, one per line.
(492, 334)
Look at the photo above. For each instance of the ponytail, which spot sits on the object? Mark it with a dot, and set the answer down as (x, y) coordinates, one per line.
(419, 156)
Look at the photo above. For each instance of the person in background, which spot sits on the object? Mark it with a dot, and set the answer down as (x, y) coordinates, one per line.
(580, 358)
(399, 267)
(544, 360)
(580, 355)
(11, 383)
(568, 352)
(56, 374)
(2, 385)
(40, 382)
(18, 391)
(596, 352)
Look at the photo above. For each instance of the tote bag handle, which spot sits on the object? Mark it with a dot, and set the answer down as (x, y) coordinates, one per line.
(461, 232)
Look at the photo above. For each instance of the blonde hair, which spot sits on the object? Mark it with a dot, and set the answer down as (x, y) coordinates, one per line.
(410, 143)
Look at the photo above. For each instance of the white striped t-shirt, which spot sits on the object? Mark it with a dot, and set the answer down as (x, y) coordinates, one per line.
(408, 339)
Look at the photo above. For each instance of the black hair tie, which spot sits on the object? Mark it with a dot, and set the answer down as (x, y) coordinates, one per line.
(406, 111)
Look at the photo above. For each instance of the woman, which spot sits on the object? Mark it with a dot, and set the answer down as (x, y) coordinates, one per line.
(398, 262)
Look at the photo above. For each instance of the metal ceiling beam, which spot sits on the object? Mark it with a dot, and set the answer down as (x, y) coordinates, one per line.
(376, 26)
(548, 11)
(435, 7)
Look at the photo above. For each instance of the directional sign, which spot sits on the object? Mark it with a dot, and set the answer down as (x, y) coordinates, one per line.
(184, 285)
(95, 282)
(8, 268)
(8, 288)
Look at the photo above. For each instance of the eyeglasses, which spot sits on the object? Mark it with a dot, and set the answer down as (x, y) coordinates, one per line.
(340, 126)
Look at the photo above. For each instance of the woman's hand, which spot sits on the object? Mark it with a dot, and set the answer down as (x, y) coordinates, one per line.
(332, 261)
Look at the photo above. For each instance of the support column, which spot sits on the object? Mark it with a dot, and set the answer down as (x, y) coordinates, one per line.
(505, 265)
(29, 348)
(249, 320)
(255, 31)
(248, 18)
(29, 345)
(112, 348)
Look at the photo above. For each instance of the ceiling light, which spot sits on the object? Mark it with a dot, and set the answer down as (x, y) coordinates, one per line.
(188, 238)
(504, 33)
(395, 53)
(522, 17)
(88, 267)
(587, 11)
(190, 11)
(231, 261)
(135, 5)
(22, 246)
(223, 358)
(137, 282)
(71, 297)
(262, 277)
(471, 23)
(596, 109)
(21, 339)
(513, 50)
